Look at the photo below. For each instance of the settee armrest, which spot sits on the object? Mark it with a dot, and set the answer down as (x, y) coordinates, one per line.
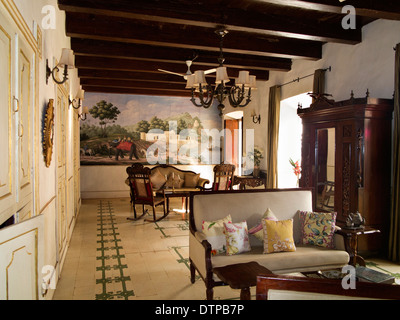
(340, 239)
(200, 254)
(202, 182)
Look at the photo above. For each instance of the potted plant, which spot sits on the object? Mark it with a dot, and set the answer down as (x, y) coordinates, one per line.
(256, 156)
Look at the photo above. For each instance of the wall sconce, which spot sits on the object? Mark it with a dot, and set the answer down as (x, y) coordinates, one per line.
(256, 119)
(66, 62)
(79, 98)
(83, 115)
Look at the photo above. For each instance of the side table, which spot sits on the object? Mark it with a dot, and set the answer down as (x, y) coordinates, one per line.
(250, 181)
(351, 242)
(241, 276)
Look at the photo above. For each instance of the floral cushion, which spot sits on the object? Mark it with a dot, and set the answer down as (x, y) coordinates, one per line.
(214, 231)
(318, 228)
(278, 236)
(257, 231)
(237, 238)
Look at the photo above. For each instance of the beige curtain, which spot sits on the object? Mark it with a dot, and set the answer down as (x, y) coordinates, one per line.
(274, 107)
(319, 82)
(394, 238)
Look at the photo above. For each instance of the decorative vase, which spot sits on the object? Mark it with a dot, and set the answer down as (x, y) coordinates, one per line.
(256, 172)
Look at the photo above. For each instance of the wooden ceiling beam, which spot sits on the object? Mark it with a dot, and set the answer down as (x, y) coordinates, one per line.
(133, 84)
(84, 62)
(234, 19)
(130, 31)
(88, 47)
(86, 73)
(372, 9)
(138, 91)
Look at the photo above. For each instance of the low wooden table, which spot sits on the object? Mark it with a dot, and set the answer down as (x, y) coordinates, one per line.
(171, 193)
(241, 276)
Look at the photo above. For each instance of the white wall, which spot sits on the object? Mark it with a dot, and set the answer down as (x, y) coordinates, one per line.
(53, 40)
(367, 65)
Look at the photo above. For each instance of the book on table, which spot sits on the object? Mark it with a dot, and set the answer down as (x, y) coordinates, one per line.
(370, 275)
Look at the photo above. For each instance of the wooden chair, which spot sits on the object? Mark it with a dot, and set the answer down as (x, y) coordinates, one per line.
(142, 192)
(282, 287)
(223, 177)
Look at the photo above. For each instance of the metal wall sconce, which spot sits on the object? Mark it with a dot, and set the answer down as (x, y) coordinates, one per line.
(66, 62)
(83, 115)
(79, 98)
(256, 119)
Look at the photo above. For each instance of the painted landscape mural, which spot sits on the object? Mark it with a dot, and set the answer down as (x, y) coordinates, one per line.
(123, 129)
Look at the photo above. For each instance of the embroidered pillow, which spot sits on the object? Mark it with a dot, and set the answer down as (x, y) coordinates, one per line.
(157, 179)
(191, 180)
(174, 181)
(278, 236)
(214, 231)
(257, 231)
(237, 238)
(318, 228)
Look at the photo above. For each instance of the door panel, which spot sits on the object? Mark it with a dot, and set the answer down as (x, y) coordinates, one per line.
(21, 260)
(7, 142)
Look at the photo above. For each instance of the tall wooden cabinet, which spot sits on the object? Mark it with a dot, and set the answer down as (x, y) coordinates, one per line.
(346, 159)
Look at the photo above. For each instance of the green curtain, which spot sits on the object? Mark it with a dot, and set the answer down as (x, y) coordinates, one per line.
(319, 82)
(274, 107)
(394, 237)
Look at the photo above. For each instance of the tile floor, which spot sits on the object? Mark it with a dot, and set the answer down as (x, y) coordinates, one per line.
(112, 258)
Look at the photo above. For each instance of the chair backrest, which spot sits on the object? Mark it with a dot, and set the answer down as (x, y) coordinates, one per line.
(223, 177)
(139, 181)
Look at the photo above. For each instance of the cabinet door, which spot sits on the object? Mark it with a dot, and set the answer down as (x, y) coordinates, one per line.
(25, 97)
(7, 141)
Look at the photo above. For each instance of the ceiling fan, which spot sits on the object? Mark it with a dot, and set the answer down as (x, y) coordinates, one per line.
(188, 72)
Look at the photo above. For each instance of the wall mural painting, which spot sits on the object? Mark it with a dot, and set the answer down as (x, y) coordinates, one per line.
(126, 129)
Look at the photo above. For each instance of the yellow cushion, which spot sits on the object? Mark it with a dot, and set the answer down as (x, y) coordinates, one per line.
(278, 236)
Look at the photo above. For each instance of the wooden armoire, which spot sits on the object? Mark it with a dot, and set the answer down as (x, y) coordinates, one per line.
(346, 159)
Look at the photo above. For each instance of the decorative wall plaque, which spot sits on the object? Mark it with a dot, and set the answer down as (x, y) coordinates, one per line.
(48, 132)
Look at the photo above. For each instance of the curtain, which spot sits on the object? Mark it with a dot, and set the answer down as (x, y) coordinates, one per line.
(319, 82)
(394, 237)
(274, 107)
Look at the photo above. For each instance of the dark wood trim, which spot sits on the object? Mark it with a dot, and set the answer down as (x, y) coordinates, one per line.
(324, 286)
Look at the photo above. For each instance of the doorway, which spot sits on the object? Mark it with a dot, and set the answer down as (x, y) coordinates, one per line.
(290, 133)
(233, 142)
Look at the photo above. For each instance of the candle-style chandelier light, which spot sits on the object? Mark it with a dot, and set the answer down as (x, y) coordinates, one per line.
(203, 94)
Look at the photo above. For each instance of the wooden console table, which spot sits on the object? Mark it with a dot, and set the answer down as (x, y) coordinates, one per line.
(250, 181)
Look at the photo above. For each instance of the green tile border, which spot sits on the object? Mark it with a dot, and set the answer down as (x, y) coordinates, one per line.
(110, 255)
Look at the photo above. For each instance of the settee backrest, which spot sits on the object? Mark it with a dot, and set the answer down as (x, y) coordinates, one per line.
(250, 205)
(167, 170)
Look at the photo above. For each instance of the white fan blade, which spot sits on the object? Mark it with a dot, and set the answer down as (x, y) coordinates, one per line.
(177, 74)
(210, 71)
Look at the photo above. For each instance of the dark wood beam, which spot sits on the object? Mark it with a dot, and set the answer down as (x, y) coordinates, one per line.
(138, 91)
(128, 75)
(373, 9)
(192, 13)
(84, 62)
(133, 84)
(89, 47)
(131, 31)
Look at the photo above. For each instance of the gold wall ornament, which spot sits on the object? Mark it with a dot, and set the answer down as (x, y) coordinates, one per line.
(48, 133)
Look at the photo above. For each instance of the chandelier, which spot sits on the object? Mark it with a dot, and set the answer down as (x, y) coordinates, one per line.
(203, 94)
